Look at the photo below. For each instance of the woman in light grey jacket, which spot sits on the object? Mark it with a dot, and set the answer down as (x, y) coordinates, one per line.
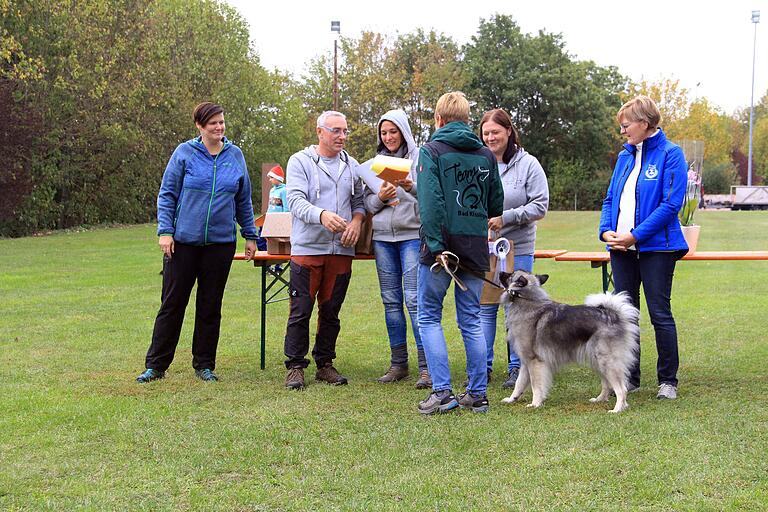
(396, 244)
(526, 199)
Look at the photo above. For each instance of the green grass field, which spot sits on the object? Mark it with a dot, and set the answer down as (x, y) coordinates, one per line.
(77, 433)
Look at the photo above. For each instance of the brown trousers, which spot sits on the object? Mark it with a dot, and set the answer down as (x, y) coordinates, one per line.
(327, 278)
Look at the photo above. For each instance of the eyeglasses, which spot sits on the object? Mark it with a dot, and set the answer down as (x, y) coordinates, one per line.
(336, 131)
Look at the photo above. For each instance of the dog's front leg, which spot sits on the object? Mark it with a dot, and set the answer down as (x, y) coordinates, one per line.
(540, 381)
(521, 385)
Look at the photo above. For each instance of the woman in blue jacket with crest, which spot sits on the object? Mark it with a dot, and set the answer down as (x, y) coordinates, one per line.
(639, 223)
(205, 191)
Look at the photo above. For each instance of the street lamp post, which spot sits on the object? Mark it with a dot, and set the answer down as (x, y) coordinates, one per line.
(755, 20)
(336, 28)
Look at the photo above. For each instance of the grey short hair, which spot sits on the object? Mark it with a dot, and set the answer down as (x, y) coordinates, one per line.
(329, 113)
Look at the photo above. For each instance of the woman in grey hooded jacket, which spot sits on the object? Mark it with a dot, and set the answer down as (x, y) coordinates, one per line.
(396, 226)
(526, 199)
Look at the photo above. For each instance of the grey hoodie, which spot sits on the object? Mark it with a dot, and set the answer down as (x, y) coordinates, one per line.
(400, 222)
(312, 189)
(526, 199)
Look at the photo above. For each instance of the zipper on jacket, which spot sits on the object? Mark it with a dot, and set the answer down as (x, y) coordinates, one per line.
(637, 195)
(210, 201)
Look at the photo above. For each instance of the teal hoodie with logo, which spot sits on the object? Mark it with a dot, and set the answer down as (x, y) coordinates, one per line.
(459, 190)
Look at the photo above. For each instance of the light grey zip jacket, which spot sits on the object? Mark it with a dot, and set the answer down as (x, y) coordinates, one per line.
(312, 189)
(400, 222)
(526, 200)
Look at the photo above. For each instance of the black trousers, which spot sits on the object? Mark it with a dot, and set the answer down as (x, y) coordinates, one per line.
(654, 271)
(208, 265)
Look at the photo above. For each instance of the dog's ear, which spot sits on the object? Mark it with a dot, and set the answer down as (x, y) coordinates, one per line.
(504, 278)
(543, 278)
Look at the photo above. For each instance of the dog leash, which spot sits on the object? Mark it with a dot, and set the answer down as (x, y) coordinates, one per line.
(449, 262)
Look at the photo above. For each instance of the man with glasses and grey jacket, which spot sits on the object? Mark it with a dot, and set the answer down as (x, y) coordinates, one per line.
(325, 197)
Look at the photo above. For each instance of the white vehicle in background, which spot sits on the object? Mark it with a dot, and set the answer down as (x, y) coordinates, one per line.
(749, 198)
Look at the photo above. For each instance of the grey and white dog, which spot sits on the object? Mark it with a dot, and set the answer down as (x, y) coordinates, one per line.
(547, 335)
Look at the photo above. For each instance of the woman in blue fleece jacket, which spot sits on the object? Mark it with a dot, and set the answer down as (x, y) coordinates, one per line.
(205, 190)
(640, 225)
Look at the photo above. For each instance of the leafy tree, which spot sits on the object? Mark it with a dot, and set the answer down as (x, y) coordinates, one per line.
(377, 74)
(561, 107)
(115, 83)
(706, 123)
(718, 178)
(669, 96)
(574, 185)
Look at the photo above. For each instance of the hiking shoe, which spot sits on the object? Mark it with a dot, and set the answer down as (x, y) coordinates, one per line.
(394, 374)
(149, 374)
(512, 376)
(425, 381)
(438, 402)
(473, 402)
(206, 374)
(667, 391)
(466, 381)
(295, 378)
(327, 373)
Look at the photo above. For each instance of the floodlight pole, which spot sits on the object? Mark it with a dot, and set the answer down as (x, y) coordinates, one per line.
(755, 20)
(336, 28)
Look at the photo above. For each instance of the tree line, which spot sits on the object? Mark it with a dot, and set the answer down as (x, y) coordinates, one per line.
(95, 94)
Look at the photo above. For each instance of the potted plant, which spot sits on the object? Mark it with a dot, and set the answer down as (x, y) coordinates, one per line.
(694, 157)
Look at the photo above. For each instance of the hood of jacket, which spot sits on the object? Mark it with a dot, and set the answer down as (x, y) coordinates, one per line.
(459, 135)
(400, 119)
(519, 154)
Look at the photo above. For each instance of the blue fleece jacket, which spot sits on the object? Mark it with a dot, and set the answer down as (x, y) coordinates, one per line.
(202, 196)
(658, 196)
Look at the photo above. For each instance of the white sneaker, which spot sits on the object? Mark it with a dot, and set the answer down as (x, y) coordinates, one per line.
(667, 391)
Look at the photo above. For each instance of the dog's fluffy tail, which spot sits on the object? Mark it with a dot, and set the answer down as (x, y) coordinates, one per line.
(628, 332)
(618, 302)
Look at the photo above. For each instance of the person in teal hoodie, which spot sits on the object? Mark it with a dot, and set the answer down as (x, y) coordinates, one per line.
(459, 190)
(204, 191)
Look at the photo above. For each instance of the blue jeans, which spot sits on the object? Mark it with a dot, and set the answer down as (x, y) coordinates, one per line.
(654, 270)
(397, 264)
(488, 314)
(432, 289)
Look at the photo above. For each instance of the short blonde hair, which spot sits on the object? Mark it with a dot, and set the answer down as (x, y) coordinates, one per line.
(453, 106)
(641, 108)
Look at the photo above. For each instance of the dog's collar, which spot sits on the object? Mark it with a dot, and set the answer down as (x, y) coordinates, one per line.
(515, 294)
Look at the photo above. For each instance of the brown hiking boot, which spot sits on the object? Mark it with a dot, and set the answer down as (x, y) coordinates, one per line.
(394, 374)
(327, 373)
(295, 378)
(425, 381)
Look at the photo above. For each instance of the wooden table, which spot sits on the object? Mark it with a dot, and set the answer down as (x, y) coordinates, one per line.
(602, 258)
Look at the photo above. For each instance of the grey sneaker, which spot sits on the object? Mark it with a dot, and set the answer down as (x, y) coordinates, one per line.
(438, 402)
(473, 402)
(425, 381)
(667, 391)
(394, 374)
(511, 378)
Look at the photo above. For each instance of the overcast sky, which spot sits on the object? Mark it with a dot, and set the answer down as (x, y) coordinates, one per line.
(707, 45)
